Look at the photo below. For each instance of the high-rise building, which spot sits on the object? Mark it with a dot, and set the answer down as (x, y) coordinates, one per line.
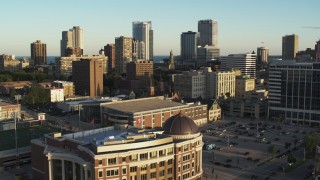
(262, 57)
(88, 77)
(189, 44)
(72, 39)
(138, 50)
(206, 54)
(9, 63)
(205, 83)
(64, 64)
(294, 91)
(208, 30)
(245, 62)
(140, 70)
(123, 46)
(142, 31)
(289, 46)
(39, 53)
(110, 53)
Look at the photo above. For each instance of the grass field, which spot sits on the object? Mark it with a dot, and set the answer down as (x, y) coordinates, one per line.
(7, 138)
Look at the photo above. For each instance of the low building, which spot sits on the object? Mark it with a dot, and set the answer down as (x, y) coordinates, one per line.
(150, 112)
(121, 152)
(244, 84)
(245, 108)
(214, 112)
(68, 87)
(64, 64)
(9, 111)
(56, 94)
(71, 106)
(205, 83)
(8, 87)
(8, 63)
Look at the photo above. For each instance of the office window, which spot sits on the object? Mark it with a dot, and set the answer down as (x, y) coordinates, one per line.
(153, 154)
(112, 161)
(100, 173)
(153, 175)
(113, 172)
(161, 163)
(143, 167)
(143, 177)
(153, 165)
(133, 169)
(134, 157)
(143, 156)
(124, 171)
(169, 161)
(161, 173)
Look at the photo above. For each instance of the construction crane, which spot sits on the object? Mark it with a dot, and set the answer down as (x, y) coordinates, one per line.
(311, 27)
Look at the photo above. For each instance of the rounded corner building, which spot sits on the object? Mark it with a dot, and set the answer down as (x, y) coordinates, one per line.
(122, 152)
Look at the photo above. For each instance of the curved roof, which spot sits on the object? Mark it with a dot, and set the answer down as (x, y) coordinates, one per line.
(180, 125)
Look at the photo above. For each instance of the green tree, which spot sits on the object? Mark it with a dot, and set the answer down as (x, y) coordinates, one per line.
(273, 149)
(309, 143)
(291, 158)
(37, 96)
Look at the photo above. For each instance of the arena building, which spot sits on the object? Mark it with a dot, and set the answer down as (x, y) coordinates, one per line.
(121, 152)
(150, 112)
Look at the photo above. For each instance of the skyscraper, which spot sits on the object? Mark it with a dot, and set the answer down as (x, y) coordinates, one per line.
(72, 39)
(142, 31)
(123, 46)
(39, 53)
(88, 77)
(294, 92)
(289, 46)
(208, 30)
(189, 44)
(245, 62)
(110, 52)
(262, 57)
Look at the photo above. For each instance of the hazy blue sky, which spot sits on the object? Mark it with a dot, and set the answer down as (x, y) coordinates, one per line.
(242, 24)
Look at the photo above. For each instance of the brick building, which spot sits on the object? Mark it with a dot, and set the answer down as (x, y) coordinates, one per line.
(150, 112)
(120, 152)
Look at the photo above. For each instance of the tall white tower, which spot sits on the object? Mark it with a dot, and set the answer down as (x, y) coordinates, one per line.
(142, 31)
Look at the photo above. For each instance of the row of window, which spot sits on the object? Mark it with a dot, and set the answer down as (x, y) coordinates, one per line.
(142, 156)
(115, 172)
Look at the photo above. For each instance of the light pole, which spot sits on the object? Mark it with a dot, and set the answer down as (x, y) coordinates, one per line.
(79, 116)
(16, 139)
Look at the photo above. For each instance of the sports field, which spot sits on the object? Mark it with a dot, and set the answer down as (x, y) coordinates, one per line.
(7, 138)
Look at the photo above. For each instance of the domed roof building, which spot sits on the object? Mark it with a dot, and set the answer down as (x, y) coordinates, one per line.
(180, 126)
(187, 146)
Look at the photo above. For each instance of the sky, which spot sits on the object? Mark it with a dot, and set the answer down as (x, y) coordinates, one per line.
(243, 25)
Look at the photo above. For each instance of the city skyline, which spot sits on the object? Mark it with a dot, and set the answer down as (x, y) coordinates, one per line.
(243, 25)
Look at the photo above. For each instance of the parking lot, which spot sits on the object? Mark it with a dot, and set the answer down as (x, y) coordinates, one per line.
(241, 147)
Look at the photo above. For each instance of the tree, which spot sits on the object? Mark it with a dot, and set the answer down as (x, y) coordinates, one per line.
(37, 95)
(273, 149)
(309, 143)
(291, 158)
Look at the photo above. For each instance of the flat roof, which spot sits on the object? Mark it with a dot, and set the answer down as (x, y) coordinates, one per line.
(6, 104)
(140, 105)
